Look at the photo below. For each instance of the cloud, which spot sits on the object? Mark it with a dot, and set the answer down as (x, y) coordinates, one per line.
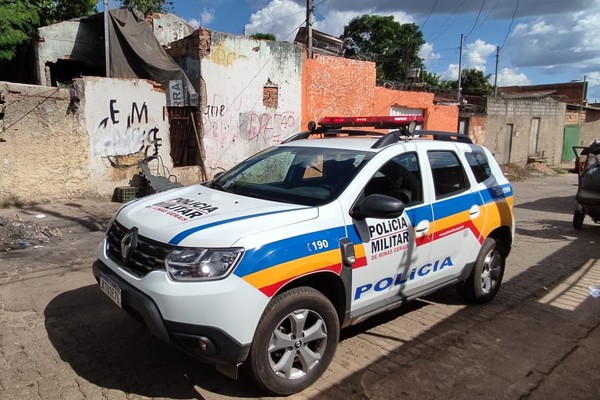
(333, 22)
(194, 22)
(557, 43)
(206, 17)
(280, 16)
(512, 77)
(451, 74)
(499, 9)
(427, 54)
(476, 55)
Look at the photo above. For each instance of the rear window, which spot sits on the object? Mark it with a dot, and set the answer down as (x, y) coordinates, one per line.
(448, 174)
(479, 165)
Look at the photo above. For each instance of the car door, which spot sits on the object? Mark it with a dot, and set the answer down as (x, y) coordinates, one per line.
(393, 253)
(457, 212)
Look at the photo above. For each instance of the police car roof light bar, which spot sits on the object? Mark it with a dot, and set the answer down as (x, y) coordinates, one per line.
(385, 122)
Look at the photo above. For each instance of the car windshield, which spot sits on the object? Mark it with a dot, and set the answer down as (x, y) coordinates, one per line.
(300, 175)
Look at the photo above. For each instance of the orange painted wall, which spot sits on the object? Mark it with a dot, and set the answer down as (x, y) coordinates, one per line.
(440, 118)
(336, 86)
(340, 86)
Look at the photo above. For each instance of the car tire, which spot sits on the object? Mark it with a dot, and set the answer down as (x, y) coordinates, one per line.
(578, 217)
(294, 342)
(485, 279)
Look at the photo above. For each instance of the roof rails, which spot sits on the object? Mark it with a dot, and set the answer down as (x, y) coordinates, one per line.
(406, 124)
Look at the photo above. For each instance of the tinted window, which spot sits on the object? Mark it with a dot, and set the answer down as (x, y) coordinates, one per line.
(400, 178)
(448, 173)
(479, 165)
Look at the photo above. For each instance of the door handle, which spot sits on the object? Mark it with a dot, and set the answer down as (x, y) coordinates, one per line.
(421, 228)
(474, 211)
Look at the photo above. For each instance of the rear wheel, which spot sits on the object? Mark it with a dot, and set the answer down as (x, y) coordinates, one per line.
(295, 341)
(578, 216)
(486, 277)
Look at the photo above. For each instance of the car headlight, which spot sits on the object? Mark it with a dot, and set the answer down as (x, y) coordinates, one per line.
(196, 264)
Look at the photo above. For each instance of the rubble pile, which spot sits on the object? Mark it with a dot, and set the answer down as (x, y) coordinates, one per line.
(16, 234)
(519, 173)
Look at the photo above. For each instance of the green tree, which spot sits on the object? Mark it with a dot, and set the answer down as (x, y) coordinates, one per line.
(435, 82)
(392, 45)
(263, 36)
(18, 21)
(62, 10)
(20, 18)
(149, 6)
(473, 81)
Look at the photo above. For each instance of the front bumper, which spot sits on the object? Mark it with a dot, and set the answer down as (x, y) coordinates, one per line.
(207, 343)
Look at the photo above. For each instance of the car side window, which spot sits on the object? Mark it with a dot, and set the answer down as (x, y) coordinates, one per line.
(449, 177)
(479, 165)
(400, 178)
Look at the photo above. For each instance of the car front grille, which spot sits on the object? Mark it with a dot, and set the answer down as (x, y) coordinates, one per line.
(149, 255)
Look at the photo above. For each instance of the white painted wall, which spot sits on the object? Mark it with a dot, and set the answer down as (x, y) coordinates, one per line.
(126, 120)
(236, 124)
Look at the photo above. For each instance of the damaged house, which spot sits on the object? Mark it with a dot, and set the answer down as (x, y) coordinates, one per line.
(189, 102)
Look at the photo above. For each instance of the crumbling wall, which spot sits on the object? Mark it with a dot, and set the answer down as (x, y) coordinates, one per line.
(126, 120)
(252, 97)
(61, 144)
(44, 153)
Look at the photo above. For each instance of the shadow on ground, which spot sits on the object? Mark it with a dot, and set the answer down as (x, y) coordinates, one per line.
(108, 348)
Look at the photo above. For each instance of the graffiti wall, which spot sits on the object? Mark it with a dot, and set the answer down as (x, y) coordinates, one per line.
(127, 121)
(253, 97)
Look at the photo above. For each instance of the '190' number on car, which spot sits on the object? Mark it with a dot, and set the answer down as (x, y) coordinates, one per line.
(318, 245)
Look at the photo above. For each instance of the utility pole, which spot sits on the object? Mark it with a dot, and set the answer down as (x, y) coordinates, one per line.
(462, 38)
(496, 75)
(309, 10)
(106, 39)
(583, 97)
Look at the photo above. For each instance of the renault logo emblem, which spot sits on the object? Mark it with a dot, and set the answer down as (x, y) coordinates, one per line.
(129, 244)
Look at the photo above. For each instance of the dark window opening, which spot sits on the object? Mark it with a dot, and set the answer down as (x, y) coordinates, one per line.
(62, 72)
(184, 140)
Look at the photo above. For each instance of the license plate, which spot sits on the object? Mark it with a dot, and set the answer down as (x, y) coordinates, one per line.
(111, 289)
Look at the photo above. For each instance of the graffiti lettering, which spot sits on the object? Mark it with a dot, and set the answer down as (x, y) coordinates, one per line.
(271, 125)
(214, 111)
(143, 112)
(113, 112)
(115, 139)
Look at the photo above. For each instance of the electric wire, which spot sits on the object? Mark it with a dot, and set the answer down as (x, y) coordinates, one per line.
(476, 19)
(429, 16)
(444, 23)
(510, 25)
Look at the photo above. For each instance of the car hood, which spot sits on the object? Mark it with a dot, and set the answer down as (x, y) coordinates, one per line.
(201, 216)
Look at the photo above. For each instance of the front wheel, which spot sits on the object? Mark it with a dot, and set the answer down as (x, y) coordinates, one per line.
(485, 279)
(295, 341)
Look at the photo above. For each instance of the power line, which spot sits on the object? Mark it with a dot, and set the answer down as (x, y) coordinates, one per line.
(429, 16)
(511, 24)
(444, 23)
(476, 19)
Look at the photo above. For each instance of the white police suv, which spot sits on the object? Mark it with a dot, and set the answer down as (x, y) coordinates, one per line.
(266, 262)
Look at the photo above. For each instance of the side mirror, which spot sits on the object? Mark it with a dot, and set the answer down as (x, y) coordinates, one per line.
(378, 206)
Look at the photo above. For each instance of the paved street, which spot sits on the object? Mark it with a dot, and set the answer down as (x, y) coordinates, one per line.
(60, 338)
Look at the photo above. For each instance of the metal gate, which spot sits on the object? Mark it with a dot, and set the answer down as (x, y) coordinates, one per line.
(570, 139)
